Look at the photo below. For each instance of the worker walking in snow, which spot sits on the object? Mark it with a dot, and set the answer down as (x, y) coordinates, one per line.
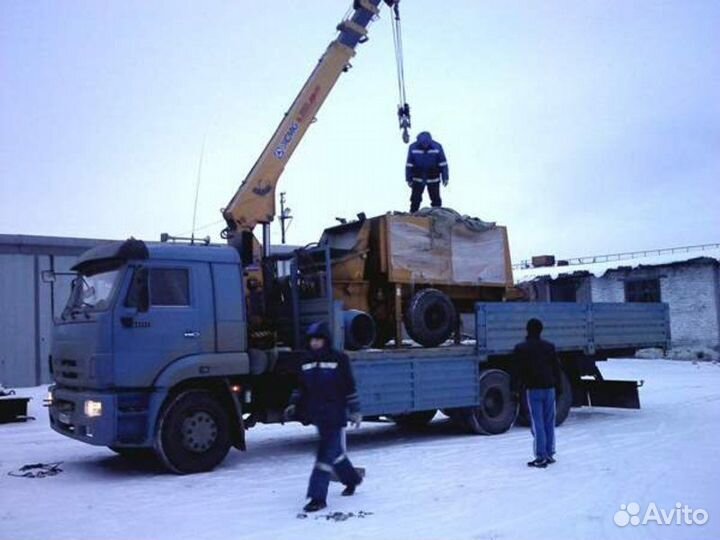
(326, 397)
(540, 374)
(426, 166)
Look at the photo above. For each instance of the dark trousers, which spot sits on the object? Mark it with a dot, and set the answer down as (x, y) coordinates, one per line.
(417, 193)
(331, 457)
(541, 406)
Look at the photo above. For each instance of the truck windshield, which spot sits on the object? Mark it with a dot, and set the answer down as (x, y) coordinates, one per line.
(92, 291)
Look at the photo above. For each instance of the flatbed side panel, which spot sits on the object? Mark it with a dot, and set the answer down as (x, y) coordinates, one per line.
(397, 386)
(631, 324)
(573, 326)
(500, 326)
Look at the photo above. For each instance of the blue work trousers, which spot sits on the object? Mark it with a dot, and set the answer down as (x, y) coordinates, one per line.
(331, 457)
(541, 409)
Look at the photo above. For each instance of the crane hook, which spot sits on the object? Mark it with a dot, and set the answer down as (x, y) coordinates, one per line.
(404, 121)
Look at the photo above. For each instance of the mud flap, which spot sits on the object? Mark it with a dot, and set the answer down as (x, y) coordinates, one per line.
(618, 394)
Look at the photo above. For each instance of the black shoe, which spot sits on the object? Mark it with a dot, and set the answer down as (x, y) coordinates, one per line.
(314, 505)
(538, 463)
(550, 460)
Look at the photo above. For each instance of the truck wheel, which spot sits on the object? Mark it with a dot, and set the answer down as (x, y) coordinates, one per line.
(414, 420)
(194, 433)
(498, 407)
(562, 405)
(430, 317)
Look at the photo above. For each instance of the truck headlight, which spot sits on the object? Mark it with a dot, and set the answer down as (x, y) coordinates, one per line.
(92, 408)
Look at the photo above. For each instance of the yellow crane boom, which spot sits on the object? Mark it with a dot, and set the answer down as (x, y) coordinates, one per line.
(254, 201)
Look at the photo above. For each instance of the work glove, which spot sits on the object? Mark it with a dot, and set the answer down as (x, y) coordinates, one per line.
(289, 412)
(445, 182)
(409, 183)
(356, 419)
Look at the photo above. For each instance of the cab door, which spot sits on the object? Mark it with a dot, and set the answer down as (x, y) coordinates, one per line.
(165, 315)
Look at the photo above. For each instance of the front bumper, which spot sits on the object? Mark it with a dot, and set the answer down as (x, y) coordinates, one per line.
(123, 422)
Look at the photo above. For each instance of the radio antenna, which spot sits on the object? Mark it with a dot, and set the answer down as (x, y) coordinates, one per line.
(197, 190)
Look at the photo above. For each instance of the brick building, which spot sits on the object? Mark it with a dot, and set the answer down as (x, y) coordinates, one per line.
(690, 287)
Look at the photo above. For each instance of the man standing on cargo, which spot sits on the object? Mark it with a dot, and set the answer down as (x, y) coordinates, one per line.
(326, 397)
(426, 166)
(540, 374)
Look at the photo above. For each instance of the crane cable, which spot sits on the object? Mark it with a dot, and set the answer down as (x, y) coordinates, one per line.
(403, 111)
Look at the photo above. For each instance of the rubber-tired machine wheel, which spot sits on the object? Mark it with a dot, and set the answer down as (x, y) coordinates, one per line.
(430, 317)
(193, 433)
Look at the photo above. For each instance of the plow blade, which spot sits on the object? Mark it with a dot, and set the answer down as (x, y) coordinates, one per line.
(618, 394)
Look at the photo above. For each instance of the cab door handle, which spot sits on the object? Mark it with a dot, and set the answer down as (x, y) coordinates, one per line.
(191, 334)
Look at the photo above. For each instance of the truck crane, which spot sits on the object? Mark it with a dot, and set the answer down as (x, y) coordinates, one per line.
(153, 356)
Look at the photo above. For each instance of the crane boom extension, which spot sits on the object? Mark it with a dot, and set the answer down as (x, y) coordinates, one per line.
(254, 201)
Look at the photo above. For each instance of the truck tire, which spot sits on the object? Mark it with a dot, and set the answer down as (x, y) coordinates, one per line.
(193, 434)
(562, 405)
(498, 406)
(430, 317)
(414, 420)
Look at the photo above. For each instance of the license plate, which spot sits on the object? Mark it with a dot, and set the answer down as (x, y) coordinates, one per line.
(64, 417)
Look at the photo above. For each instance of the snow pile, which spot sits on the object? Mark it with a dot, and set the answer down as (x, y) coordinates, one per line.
(681, 353)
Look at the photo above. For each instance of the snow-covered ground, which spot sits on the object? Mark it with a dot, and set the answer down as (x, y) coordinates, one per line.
(435, 484)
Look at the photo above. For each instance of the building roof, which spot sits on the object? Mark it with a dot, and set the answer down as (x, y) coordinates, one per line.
(601, 269)
(46, 245)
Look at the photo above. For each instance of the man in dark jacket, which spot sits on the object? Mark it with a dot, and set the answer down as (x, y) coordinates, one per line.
(426, 166)
(326, 397)
(540, 374)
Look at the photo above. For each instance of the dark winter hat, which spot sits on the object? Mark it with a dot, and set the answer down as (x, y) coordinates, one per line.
(318, 330)
(534, 327)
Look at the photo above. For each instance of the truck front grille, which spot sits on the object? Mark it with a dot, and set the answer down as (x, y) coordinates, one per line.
(69, 370)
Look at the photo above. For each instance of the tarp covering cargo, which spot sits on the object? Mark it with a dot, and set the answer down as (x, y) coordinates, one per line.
(441, 246)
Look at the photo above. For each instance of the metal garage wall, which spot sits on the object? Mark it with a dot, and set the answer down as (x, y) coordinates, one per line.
(28, 305)
(18, 352)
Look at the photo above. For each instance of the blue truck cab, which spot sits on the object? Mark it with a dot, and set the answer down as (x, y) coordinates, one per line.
(158, 353)
(145, 319)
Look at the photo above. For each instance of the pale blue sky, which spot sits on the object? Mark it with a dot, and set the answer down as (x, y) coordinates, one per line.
(584, 126)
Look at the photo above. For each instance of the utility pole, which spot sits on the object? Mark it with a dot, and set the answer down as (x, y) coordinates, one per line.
(285, 217)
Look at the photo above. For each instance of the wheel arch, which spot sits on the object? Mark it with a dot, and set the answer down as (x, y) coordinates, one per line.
(221, 389)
